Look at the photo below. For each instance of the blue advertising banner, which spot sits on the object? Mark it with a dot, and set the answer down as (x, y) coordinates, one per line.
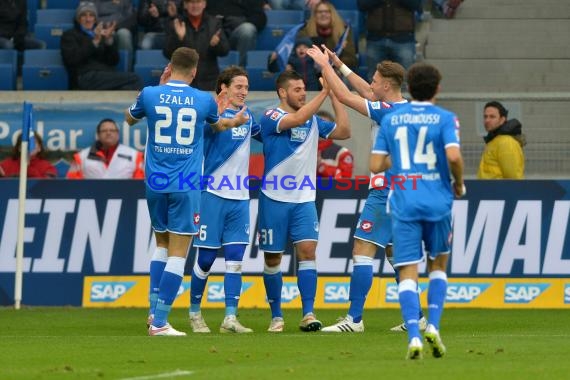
(72, 126)
(73, 229)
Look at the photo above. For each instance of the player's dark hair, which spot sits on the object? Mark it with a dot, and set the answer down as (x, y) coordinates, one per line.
(423, 80)
(227, 76)
(392, 71)
(184, 59)
(283, 79)
(106, 120)
(495, 104)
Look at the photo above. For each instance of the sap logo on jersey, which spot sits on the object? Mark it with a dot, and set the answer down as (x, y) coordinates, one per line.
(337, 292)
(216, 291)
(239, 133)
(299, 134)
(464, 292)
(567, 293)
(289, 292)
(109, 291)
(523, 293)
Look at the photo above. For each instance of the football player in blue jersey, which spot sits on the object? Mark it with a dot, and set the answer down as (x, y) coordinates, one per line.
(374, 228)
(226, 197)
(290, 135)
(176, 116)
(422, 141)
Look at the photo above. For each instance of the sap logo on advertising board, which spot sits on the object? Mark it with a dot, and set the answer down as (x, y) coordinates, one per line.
(337, 292)
(289, 292)
(392, 291)
(567, 293)
(184, 286)
(109, 291)
(523, 293)
(464, 292)
(216, 290)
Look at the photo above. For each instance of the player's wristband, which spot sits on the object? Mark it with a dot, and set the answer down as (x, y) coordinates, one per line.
(345, 70)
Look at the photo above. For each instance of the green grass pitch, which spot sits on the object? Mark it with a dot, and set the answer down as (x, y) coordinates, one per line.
(76, 343)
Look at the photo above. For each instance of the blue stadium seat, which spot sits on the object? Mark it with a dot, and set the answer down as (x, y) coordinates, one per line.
(271, 35)
(56, 16)
(61, 4)
(33, 6)
(8, 69)
(231, 59)
(51, 34)
(149, 65)
(52, 23)
(362, 66)
(344, 4)
(279, 17)
(260, 79)
(124, 61)
(43, 70)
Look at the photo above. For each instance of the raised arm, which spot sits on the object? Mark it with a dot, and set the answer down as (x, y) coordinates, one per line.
(336, 85)
(342, 130)
(359, 84)
(292, 120)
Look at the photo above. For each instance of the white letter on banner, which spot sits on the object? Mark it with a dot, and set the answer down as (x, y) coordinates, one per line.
(9, 235)
(553, 262)
(486, 228)
(144, 239)
(57, 210)
(100, 241)
(329, 234)
(527, 221)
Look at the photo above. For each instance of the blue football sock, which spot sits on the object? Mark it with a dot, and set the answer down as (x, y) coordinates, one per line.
(436, 296)
(360, 283)
(273, 280)
(307, 284)
(232, 289)
(200, 272)
(233, 254)
(157, 264)
(169, 285)
(409, 304)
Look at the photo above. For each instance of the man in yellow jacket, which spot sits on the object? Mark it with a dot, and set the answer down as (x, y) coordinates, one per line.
(503, 157)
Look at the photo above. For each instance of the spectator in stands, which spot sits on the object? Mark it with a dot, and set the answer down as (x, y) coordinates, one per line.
(325, 26)
(300, 62)
(241, 20)
(155, 16)
(38, 166)
(503, 157)
(333, 160)
(122, 14)
(90, 54)
(14, 27)
(106, 158)
(390, 26)
(203, 33)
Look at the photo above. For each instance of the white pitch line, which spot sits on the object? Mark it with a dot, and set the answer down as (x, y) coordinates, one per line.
(161, 375)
